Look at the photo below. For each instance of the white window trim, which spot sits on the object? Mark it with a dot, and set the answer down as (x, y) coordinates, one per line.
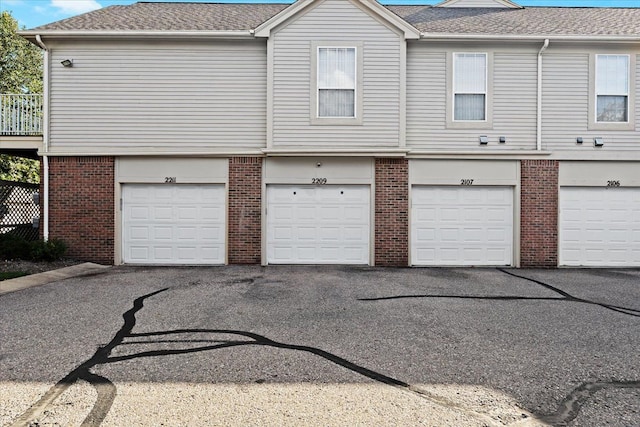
(594, 124)
(487, 123)
(314, 104)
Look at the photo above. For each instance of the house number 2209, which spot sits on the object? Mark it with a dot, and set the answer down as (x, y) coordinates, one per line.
(318, 180)
(170, 179)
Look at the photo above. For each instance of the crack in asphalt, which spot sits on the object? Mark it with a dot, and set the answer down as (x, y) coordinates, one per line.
(568, 297)
(564, 297)
(574, 401)
(570, 406)
(106, 390)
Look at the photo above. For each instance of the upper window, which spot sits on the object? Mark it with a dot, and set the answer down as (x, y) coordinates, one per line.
(469, 86)
(336, 82)
(612, 88)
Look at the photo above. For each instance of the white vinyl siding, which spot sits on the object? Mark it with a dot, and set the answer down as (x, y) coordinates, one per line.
(336, 23)
(612, 88)
(513, 99)
(469, 86)
(336, 81)
(568, 106)
(162, 96)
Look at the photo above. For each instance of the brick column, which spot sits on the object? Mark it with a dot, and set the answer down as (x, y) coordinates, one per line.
(81, 206)
(392, 212)
(539, 213)
(245, 210)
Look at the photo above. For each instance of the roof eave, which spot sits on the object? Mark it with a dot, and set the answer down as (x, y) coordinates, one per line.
(532, 37)
(109, 34)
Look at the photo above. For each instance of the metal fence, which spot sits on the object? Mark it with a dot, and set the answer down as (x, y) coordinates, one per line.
(19, 209)
(20, 115)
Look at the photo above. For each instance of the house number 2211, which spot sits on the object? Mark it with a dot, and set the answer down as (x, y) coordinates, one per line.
(170, 179)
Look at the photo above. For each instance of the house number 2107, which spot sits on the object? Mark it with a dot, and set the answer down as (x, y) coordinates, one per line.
(466, 182)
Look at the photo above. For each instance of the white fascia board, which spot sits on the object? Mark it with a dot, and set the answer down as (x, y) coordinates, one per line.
(150, 153)
(382, 152)
(495, 155)
(264, 29)
(409, 31)
(534, 38)
(90, 34)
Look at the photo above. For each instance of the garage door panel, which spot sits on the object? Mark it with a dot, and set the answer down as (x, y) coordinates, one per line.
(323, 225)
(471, 225)
(282, 212)
(138, 253)
(161, 233)
(474, 235)
(599, 227)
(161, 213)
(173, 224)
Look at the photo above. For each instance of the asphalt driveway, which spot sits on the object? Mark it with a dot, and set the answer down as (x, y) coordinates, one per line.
(323, 346)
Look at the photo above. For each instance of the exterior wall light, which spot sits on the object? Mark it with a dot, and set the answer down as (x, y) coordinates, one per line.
(67, 63)
(484, 140)
(579, 140)
(598, 142)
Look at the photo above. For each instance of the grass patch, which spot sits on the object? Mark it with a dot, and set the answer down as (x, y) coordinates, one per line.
(6, 275)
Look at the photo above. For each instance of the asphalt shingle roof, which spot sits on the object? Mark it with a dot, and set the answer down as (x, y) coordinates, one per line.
(530, 21)
(526, 21)
(143, 16)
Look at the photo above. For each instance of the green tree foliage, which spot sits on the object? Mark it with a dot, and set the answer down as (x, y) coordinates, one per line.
(13, 168)
(20, 72)
(20, 61)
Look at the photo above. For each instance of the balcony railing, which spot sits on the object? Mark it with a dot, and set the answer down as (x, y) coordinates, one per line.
(20, 115)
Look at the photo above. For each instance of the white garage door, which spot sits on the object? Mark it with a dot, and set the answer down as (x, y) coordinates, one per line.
(599, 227)
(318, 225)
(461, 225)
(173, 224)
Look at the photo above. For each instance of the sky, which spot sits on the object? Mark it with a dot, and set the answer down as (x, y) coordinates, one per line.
(32, 13)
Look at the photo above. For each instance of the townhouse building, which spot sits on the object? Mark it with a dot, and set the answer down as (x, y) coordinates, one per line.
(467, 133)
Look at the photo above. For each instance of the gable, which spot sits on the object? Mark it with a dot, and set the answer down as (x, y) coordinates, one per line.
(479, 3)
(371, 7)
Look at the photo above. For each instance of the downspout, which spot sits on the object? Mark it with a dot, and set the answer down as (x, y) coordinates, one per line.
(45, 139)
(539, 123)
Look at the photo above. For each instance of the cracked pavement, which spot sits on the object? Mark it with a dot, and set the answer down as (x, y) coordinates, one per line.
(324, 346)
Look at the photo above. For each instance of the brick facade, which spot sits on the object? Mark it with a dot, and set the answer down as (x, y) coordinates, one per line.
(245, 210)
(81, 206)
(392, 212)
(539, 213)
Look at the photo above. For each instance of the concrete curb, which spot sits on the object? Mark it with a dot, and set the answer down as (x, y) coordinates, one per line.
(19, 283)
